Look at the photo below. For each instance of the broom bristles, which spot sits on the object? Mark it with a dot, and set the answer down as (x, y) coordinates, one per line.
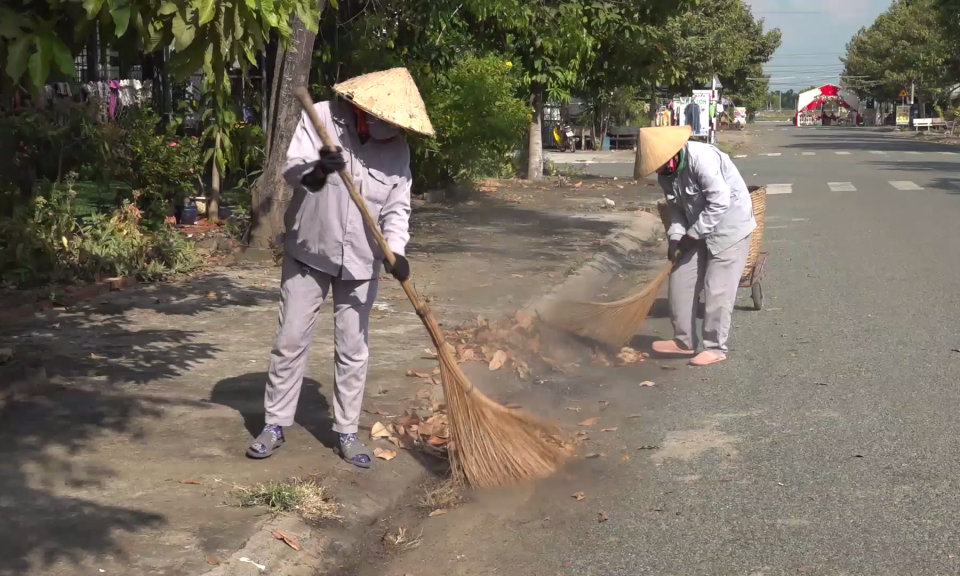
(491, 444)
(612, 323)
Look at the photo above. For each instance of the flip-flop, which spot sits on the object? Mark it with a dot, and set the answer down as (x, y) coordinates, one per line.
(266, 443)
(671, 347)
(708, 357)
(353, 451)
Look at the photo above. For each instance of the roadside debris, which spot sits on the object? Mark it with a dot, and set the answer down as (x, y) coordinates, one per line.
(288, 539)
(260, 567)
(578, 496)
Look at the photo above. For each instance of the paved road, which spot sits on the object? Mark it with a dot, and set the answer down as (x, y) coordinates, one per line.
(827, 444)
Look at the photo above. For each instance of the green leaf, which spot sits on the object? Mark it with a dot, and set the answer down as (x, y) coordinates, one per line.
(167, 8)
(92, 7)
(121, 19)
(206, 10)
(17, 55)
(39, 64)
(9, 24)
(154, 36)
(183, 33)
(62, 57)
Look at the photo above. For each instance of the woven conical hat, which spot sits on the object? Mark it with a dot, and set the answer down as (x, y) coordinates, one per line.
(389, 95)
(656, 146)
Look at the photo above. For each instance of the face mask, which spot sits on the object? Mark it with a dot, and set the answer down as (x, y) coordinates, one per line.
(381, 130)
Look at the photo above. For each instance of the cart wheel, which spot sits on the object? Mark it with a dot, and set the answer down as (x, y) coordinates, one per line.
(757, 293)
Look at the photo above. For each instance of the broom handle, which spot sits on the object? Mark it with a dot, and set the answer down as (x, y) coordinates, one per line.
(423, 311)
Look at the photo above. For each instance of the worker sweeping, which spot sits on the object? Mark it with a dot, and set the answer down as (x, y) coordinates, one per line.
(711, 217)
(328, 252)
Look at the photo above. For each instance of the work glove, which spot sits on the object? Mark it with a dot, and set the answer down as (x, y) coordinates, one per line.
(686, 244)
(400, 268)
(331, 160)
(673, 251)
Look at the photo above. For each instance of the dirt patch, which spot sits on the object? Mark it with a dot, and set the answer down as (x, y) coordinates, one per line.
(686, 445)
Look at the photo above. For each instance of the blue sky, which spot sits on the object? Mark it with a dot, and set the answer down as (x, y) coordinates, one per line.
(815, 35)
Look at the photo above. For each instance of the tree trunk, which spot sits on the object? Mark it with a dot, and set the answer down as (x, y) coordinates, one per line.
(535, 145)
(272, 194)
(213, 203)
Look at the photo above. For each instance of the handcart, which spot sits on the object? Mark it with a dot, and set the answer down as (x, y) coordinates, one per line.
(756, 260)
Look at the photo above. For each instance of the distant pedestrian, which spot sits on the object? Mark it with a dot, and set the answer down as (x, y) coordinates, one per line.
(709, 237)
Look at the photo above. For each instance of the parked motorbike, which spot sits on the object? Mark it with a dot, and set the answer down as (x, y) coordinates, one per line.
(563, 136)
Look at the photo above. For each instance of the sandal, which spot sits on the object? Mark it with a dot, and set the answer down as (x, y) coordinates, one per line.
(269, 440)
(353, 451)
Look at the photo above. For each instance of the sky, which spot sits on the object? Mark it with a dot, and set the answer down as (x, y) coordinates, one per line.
(815, 36)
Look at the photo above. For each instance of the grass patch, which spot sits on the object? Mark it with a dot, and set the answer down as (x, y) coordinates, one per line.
(303, 496)
(576, 266)
(445, 495)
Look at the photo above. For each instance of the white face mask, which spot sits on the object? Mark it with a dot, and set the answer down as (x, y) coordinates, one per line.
(380, 129)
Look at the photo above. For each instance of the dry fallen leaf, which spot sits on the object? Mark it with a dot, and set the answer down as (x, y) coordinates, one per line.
(415, 374)
(516, 275)
(97, 356)
(384, 454)
(625, 457)
(614, 429)
(499, 357)
(213, 560)
(633, 416)
(578, 184)
(290, 540)
(429, 354)
(590, 421)
(647, 383)
(579, 496)
(601, 517)
(196, 482)
(211, 294)
(438, 512)
(573, 408)
(379, 431)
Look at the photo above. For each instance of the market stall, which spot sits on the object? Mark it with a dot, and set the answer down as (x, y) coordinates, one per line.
(810, 101)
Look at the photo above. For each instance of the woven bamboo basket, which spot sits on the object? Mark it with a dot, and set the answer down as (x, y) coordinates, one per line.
(758, 195)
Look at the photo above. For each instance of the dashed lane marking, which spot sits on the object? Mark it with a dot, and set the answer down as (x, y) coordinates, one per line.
(841, 187)
(905, 185)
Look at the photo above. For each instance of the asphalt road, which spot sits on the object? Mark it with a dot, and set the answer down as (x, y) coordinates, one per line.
(827, 444)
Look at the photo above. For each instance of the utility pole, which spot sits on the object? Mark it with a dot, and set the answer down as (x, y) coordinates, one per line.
(912, 92)
(779, 102)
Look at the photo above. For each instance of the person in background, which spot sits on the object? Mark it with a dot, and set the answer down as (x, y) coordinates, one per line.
(709, 237)
(328, 252)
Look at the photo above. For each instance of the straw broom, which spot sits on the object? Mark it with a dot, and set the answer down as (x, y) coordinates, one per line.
(490, 444)
(612, 323)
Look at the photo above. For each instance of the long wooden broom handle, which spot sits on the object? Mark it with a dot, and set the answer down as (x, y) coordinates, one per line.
(422, 310)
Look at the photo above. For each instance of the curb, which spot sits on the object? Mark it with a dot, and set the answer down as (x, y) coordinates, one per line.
(69, 299)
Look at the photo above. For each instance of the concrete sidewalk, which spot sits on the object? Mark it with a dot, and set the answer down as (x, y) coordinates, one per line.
(122, 455)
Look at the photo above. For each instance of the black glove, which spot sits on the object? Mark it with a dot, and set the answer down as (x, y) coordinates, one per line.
(400, 268)
(331, 160)
(686, 244)
(673, 251)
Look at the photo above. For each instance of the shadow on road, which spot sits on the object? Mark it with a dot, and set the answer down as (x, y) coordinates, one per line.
(82, 377)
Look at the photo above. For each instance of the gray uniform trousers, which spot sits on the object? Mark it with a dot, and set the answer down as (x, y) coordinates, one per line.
(718, 277)
(302, 291)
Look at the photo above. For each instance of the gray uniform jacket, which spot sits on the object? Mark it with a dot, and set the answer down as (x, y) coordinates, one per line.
(708, 199)
(324, 227)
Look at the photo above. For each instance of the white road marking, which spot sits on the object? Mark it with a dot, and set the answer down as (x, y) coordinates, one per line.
(841, 187)
(808, 153)
(740, 156)
(949, 153)
(776, 227)
(772, 154)
(905, 185)
(877, 152)
(911, 152)
(779, 188)
(842, 153)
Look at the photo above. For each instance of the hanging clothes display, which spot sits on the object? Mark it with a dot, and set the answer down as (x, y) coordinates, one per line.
(692, 117)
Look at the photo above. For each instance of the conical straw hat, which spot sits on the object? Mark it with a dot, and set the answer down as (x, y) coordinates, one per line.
(656, 146)
(389, 95)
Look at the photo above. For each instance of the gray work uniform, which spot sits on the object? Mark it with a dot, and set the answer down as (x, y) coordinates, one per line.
(327, 248)
(709, 201)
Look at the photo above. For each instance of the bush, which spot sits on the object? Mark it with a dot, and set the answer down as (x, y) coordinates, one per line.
(478, 120)
(44, 241)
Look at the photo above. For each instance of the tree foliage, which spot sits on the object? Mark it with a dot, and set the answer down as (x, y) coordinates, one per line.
(908, 43)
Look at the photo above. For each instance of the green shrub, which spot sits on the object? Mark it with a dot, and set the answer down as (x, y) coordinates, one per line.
(478, 120)
(44, 241)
